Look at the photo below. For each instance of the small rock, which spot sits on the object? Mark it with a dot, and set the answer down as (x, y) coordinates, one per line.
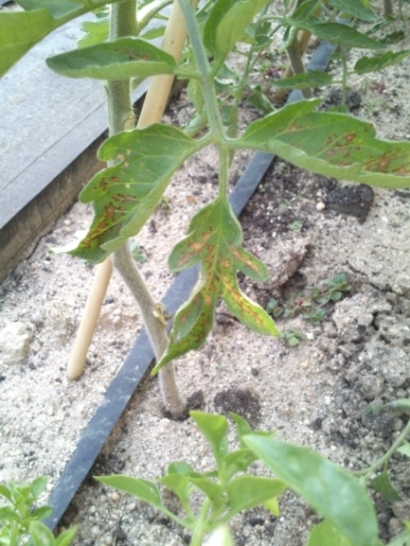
(15, 340)
(320, 206)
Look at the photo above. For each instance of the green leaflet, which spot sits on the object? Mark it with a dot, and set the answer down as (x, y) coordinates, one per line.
(232, 26)
(306, 80)
(214, 239)
(19, 31)
(95, 32)
(331, 144)
(227, 22)
(334, 493)
(374, 64)
(338, 33)
(125, 195)
(356, 9)
(138, 487)
(245, 492)
(117, 60)
(383, 485)
(326, 535)
(57, 8)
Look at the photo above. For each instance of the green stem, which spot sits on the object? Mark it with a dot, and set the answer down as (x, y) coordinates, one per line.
(296, 62)
(343, 53)
(383, 460)
(224, 162)
(204, 69)
(200, 526)
(125, 264)
(121, 118)
(120, 113)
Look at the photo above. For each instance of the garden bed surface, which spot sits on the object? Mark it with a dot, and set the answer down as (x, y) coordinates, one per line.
(314, 394)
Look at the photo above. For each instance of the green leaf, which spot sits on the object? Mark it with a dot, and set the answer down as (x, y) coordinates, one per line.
(311, 78)
(41, 534)
(232, 26)
(5, 492)
(214, 239)
(242, 426)
(214, 428)
(374, 64)
(331, 144)
(404, 450)
(382, 484)
(57, 8)
(180, 485)
(258, 99)
(305, 10)
(65, 538)
(212, 490)
(238, 461)
(138, 487)
(180, 467)
(96, 32)
(8, 513)
(246, 492)
(340, 34)
(118, 60)
(273, 506)
(126, 194)
(356, 9)
(325, 534)
(403, 538)
(334, 493)
(19, 31)
(218, 11)
(42, 512)
(37, 486)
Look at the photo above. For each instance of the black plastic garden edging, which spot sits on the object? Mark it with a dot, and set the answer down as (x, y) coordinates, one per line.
(124, 384)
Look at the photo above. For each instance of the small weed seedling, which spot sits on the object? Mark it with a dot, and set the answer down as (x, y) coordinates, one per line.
(310, 304)
(20, 520)
(349, 517)
(292, 336)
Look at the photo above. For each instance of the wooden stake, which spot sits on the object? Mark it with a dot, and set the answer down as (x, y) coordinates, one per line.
(89, 319)
(152, 111)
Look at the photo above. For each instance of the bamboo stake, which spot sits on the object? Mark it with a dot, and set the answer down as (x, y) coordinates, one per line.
(89, 319)
(152, 111)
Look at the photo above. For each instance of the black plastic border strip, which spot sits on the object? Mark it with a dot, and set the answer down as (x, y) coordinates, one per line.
(124, 384)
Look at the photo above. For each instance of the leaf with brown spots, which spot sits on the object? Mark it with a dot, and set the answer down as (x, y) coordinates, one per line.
(125, 194)
(214, 240)
(331, 144)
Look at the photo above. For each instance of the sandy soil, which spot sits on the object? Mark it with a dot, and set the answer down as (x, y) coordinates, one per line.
(314, 394)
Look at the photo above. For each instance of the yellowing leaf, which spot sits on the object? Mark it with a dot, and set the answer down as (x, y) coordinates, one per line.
(331, 144)
(215, 240)
(126, 194)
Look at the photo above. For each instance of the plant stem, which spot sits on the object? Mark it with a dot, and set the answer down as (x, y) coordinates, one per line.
(295, 59)
(120, 113)
(199, 528)
(383, 460)
(203, 67)
(125, 264)
(343, 53)
(388, 8)
(121, 118)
